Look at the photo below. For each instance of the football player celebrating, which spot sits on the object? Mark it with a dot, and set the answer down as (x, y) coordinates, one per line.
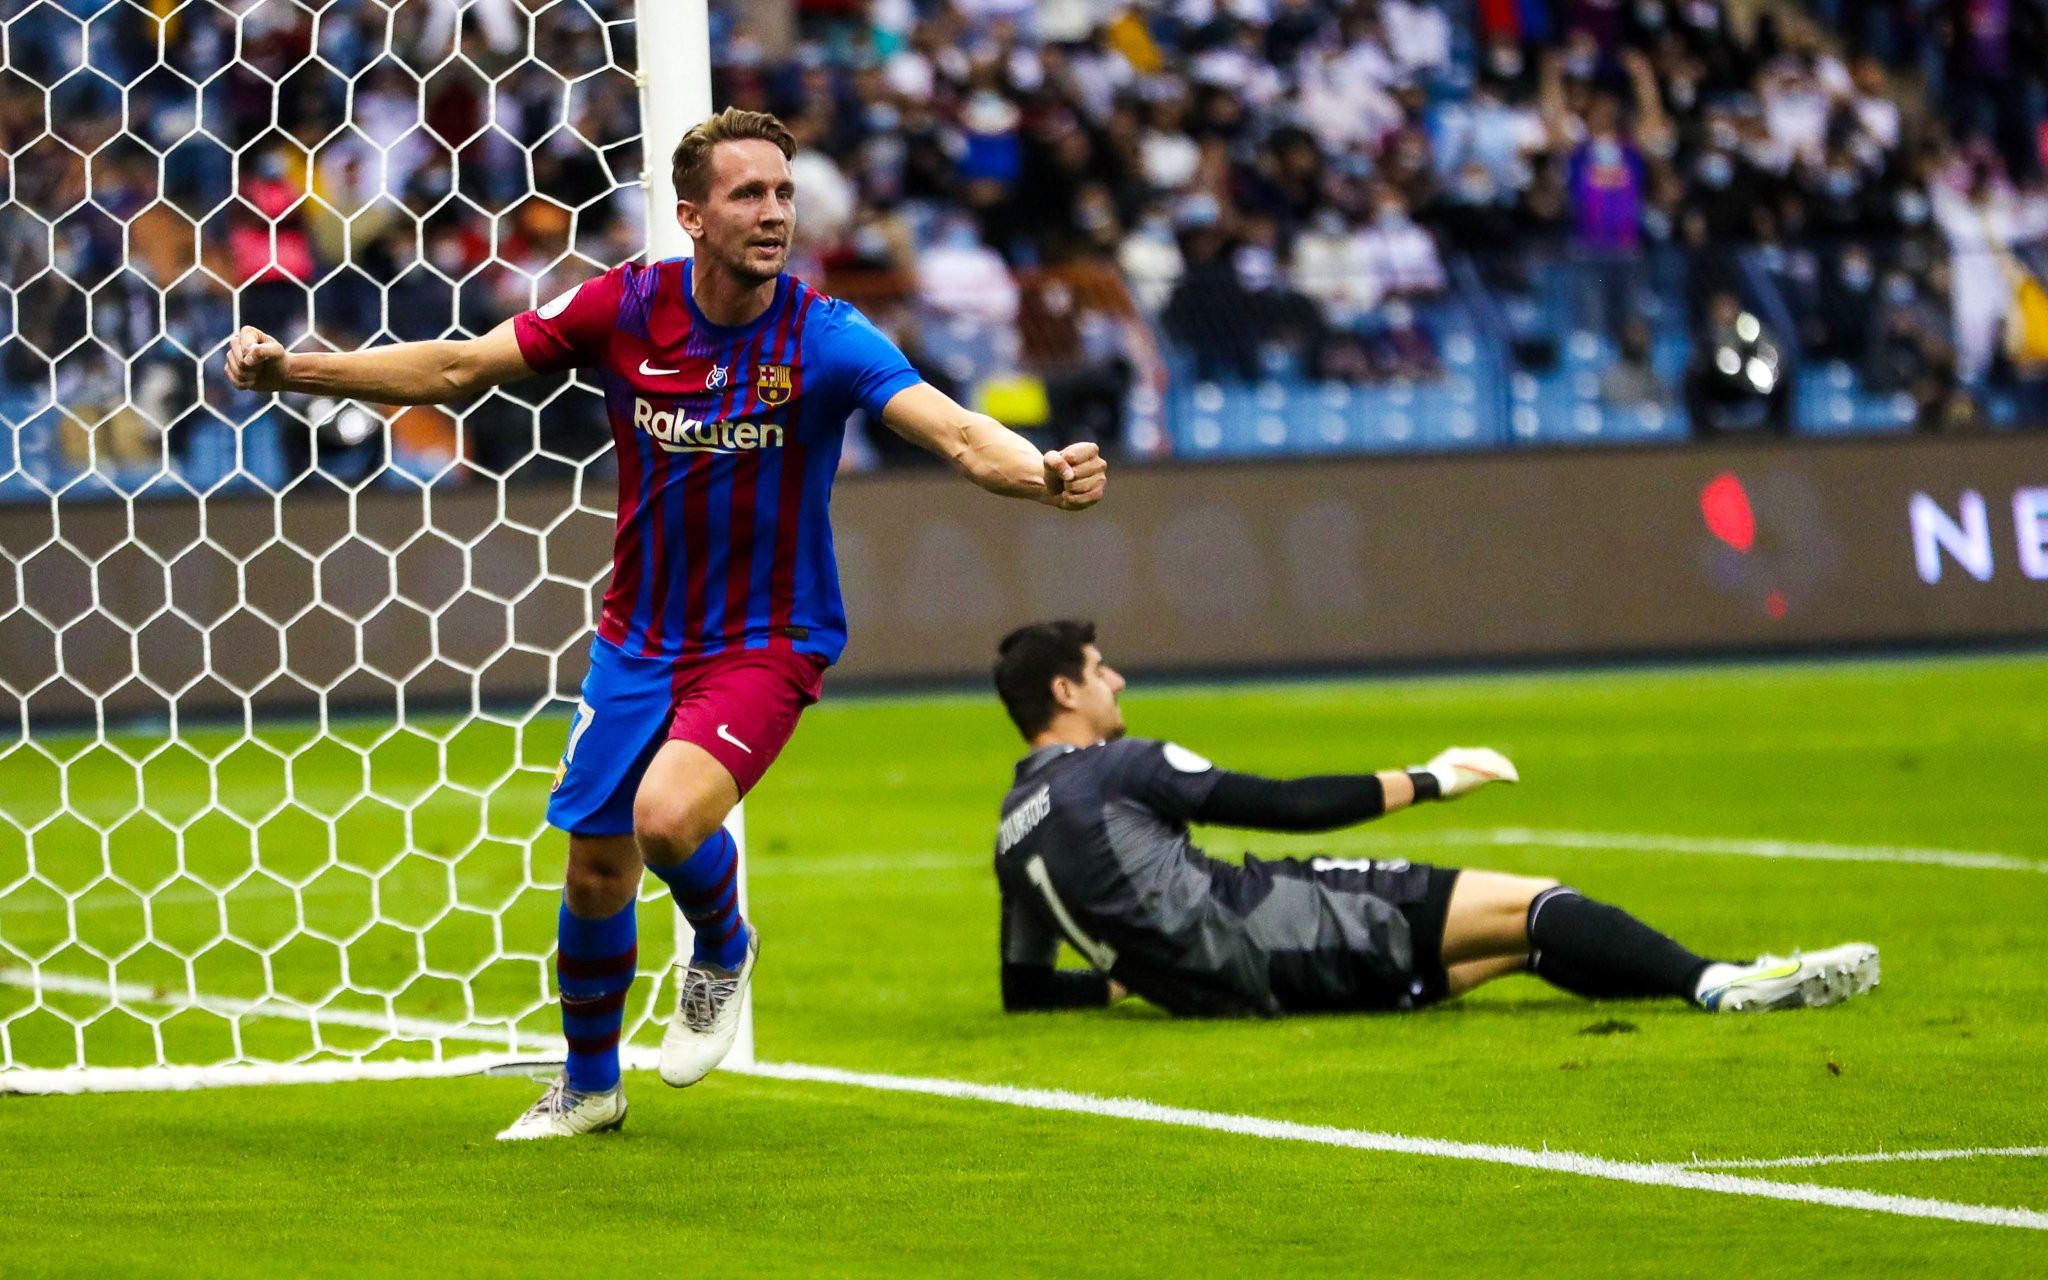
(728, 383)
(1094, 848)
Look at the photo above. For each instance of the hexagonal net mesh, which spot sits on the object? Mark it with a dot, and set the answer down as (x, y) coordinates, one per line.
(282, 678)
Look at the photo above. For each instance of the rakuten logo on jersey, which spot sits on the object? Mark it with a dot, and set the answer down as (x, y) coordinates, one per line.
(678, 434)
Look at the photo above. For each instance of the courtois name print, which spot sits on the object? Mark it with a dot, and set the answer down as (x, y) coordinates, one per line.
(678, 434)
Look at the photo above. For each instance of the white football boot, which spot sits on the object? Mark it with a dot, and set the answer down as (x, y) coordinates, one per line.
(562, 1112)
(1806, 980)
(707, 1017)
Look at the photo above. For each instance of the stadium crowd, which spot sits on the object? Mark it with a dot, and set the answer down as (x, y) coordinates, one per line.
(1260, 184)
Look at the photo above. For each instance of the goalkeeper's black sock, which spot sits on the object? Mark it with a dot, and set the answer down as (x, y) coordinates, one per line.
(1603, 953)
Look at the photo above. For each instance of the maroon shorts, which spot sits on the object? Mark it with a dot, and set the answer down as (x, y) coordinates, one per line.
(742, 707)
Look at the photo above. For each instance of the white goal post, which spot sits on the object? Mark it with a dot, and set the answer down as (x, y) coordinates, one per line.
(281, 691)
(670, 104)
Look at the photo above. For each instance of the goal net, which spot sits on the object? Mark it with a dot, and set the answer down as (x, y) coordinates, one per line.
(284, 681)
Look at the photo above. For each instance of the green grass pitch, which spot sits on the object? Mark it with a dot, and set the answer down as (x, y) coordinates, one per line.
(869, 845)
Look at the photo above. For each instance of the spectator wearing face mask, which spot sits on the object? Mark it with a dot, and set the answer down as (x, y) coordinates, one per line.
(1902, 315)
(1489, 131)
(1395, 252)
(1798, 90)
(1705, 29)
(1206, 311)
(1545, 209)
(1608, 178)
(959, 276)
(1875, 106)
(1837, 198)
(1286, 178)
(1167, 152)
(1981, 223)
(1342, 107)
(1282, 316)
(1150, 259)
(1322, 269)
(1848, 305)
(1726, 187)
(1505, 63)
(273, 255)
(1474, 212)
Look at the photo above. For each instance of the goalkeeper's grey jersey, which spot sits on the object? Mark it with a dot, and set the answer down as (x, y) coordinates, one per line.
(1094, 846)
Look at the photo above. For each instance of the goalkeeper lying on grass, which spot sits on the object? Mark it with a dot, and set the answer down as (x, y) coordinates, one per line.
(1094, 848)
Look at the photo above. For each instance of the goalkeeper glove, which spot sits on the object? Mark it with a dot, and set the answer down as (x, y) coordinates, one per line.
(1458, 770)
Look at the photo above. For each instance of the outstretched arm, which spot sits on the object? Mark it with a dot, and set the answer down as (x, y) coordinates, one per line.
(1327, 802)
(396, 373)
(992, 455)
(1322, 803)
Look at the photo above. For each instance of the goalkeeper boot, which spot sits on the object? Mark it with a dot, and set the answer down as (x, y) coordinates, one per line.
(563, 1112)
(1804, 981)
(707, 1017)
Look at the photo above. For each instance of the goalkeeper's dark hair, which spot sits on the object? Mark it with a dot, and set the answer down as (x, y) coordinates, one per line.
(1027, 661)
(691, 166)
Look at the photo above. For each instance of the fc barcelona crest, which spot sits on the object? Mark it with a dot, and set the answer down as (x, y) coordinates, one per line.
(773, 383)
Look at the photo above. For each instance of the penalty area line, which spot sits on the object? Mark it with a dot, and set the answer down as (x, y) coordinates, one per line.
(1655, 1175)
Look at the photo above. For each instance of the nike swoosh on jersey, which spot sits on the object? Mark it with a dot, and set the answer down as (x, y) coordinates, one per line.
(724, 733)
(652, 372)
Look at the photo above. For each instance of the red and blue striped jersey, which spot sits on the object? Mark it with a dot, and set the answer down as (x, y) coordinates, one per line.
(728, 440)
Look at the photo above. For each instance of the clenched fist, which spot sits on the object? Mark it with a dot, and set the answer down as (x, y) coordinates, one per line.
(256, 361)
(1075, 476)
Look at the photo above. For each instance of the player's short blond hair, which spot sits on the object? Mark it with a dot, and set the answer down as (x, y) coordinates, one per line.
(691, 166)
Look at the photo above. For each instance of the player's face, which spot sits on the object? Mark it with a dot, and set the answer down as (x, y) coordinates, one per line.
(1095, 696)
(749, 213)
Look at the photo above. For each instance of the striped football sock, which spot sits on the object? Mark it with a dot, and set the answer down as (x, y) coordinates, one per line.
(594, 963)
(706, 887)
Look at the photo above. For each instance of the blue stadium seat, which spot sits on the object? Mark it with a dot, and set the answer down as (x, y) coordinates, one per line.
(1830, 399)
(1566, 408)
(1299, 416)
(263, 452)
(967, 349)
(209, 454)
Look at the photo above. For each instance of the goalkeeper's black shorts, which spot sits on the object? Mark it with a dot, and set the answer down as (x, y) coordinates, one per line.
(1355, 934)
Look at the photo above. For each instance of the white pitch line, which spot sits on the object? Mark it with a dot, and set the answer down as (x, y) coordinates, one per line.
(1656, 1175)
(1662, 1175)
(1864, 1157)
(1637, 842)
(1496, 837)
(771, 867)
(1486, 837)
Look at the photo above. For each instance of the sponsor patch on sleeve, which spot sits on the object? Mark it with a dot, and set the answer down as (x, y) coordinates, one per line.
(558, 304)
(1185, 760)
